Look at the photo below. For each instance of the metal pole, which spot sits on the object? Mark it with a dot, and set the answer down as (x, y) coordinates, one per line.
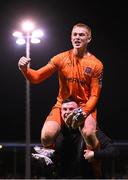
(28, 118)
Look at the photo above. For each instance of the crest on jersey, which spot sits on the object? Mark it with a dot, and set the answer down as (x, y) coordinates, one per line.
(88, 70)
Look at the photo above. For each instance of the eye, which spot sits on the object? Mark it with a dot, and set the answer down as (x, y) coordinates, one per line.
(74, 34)
(71, 109)
(81, 34)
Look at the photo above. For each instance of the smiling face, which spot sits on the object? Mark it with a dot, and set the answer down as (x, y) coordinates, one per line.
(80, 37)
(67, 108)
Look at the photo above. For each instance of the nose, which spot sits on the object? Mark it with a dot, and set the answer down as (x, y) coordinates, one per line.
(67, 113)
(78, 36)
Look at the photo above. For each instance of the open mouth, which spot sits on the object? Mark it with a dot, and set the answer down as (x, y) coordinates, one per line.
(65, 115)
(77, 43)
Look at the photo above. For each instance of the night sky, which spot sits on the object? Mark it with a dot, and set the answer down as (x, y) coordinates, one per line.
(56, 17)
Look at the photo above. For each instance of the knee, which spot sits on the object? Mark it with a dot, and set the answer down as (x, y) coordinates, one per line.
(49, 133)
(88, 132)
(46, 139)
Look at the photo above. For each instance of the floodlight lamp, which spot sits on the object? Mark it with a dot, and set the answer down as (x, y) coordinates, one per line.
(35, 40)
(37, 34)
(20, 41)
(28, 26)
(17, 34)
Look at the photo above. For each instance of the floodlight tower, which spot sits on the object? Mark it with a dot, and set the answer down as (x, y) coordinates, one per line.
(27, 36)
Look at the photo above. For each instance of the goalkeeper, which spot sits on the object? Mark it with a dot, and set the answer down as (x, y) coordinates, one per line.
(80, 75)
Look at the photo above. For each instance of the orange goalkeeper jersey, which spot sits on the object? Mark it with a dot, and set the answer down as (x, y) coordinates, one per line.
(80, 78)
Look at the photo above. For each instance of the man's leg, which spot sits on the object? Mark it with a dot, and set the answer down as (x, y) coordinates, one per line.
(49, 132)
(88, 132)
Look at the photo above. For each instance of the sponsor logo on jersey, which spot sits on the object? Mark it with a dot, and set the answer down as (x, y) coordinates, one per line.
(76, 80)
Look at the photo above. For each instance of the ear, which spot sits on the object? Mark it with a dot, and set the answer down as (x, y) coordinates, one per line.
(89, 39)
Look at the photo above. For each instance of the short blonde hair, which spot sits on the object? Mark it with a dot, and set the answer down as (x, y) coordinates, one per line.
(84, 26)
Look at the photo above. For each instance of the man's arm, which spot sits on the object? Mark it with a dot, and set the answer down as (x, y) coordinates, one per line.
(107, 149)
(95, 89)
(35, 76)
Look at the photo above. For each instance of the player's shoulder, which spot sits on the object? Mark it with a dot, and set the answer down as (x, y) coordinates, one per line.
(63, 54)
(95, 60)
(60, 58)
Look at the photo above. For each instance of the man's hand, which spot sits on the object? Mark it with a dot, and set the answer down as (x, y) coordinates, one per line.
(75, 118)
(23, 63)
(88, 154)
(68, 119)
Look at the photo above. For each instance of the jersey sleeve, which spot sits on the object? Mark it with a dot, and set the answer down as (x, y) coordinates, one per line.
(107, 149)
(95, 88)
(37, 76)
